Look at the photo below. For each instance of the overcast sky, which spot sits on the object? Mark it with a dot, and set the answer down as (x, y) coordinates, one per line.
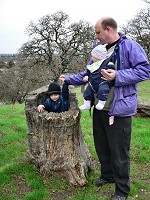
(16, 14)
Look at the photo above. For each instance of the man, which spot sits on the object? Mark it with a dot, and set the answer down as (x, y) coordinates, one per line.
(112, 125)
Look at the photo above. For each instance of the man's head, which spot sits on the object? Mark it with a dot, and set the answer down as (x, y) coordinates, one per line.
(99, 53)
(106, 30)
(54, 91)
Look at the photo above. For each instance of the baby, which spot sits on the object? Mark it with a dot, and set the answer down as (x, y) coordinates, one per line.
(95, 83)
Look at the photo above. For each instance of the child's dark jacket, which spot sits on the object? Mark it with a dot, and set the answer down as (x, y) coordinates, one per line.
(61, 105)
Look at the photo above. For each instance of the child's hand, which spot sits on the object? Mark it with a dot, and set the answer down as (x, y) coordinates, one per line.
(40, 108)
(86, 78)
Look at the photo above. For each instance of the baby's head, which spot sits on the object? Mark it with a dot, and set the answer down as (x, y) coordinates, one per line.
(99, 53)
(54, 91)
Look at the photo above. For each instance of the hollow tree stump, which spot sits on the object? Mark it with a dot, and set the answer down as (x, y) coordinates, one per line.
(56, 143)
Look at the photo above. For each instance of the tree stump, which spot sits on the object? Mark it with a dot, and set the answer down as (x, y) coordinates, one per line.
(56, 143)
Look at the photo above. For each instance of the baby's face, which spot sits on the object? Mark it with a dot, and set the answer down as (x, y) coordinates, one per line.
(54, 97)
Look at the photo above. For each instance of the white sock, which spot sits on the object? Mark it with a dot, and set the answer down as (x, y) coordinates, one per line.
(86, 105)
(100, 105)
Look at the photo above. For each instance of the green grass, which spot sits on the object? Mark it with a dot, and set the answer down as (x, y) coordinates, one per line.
(19, 180)
(144, 90)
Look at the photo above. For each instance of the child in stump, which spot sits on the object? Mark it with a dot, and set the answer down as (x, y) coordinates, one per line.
(57, 101)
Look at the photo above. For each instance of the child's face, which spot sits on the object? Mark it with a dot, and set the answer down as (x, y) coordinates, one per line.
(54, 97)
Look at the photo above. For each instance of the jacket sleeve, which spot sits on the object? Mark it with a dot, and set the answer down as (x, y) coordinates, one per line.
(65, 91)
(65, 96)
(45, 103)
(76, 79)
(134, 65)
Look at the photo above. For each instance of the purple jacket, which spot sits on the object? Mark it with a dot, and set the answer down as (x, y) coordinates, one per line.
(134, 68)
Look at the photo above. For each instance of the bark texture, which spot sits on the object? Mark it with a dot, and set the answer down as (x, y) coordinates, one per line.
(56, 143)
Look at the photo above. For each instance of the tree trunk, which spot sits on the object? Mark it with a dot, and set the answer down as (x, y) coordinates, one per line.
(56, 143)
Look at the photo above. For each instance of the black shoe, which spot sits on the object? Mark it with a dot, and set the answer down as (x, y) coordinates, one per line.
(100, 182)
(116, 197)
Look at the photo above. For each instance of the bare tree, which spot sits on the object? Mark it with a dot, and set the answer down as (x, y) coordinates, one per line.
(10, 85)
(15, 83)
(55, 47)
(147, 1)
(55, 41)
(139, 28)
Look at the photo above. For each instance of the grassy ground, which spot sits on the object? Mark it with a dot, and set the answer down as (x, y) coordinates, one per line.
(21, 181)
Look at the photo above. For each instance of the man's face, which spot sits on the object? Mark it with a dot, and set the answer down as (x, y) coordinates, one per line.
(101, 34)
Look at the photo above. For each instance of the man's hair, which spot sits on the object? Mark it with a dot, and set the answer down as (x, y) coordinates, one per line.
(108, 21)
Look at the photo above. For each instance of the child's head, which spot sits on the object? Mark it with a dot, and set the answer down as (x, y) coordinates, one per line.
(99, 53)
(54, 91)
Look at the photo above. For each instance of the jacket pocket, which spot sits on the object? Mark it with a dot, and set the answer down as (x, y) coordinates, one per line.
(126, 106)
(129, 90)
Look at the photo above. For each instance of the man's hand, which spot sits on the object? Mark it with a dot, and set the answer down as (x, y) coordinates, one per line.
(108, 74)
(62, 78)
